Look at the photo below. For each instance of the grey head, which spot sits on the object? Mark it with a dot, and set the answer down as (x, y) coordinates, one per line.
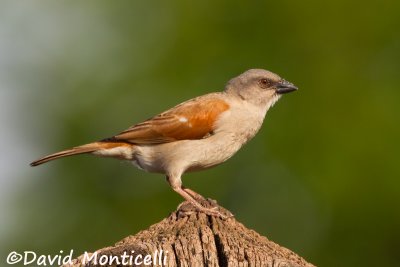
(260, 87)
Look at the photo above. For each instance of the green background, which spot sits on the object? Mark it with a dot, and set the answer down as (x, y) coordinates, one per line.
(321, 178)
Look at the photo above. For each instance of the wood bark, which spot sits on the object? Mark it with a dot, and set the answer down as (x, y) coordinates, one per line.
(191, 238)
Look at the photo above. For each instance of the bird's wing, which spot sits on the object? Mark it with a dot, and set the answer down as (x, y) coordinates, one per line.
(193, 119)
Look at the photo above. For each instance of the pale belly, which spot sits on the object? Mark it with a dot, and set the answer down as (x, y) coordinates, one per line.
(187, 155)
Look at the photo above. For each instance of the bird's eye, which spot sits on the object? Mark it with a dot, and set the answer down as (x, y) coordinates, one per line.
(265, 83)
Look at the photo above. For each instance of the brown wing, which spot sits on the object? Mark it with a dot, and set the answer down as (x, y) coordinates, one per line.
(193, 119)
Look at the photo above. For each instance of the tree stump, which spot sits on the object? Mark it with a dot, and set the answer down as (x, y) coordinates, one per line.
(191, 238)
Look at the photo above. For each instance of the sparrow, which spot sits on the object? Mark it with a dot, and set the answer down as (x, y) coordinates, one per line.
(195, 135)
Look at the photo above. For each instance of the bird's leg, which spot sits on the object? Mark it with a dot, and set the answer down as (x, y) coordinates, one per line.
(176, 185)
(196, 195)
(192, 193)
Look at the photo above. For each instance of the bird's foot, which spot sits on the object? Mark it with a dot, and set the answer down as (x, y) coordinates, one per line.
(199, 203)
(194, 194)
(214, 212)
(191, 207)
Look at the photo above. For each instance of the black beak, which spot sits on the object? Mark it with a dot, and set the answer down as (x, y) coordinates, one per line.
(284, 87)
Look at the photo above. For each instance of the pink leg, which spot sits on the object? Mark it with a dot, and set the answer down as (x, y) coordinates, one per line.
(193, 193)
(176, 185)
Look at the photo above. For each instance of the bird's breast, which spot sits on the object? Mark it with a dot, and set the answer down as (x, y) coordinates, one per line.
(242, 122)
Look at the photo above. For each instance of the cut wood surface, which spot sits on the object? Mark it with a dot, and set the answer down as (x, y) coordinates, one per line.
(191, 238)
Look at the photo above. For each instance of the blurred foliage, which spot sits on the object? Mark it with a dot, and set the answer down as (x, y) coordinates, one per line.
(321, 177)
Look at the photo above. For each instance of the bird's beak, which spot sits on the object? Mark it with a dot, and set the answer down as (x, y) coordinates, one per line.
(284, 87)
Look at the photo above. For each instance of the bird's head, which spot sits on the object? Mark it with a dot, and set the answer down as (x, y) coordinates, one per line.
(260, 87)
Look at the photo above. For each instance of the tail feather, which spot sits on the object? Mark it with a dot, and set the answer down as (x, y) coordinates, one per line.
(88, 148)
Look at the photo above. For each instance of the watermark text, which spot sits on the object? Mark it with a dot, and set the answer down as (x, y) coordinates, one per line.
(158, 257)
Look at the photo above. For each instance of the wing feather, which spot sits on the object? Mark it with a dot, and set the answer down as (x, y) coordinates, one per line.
(193, 119)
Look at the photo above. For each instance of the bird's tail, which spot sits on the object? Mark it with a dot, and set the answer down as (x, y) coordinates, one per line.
(98, 148)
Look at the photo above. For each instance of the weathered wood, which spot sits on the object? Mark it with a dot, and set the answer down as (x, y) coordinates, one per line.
(190, 238)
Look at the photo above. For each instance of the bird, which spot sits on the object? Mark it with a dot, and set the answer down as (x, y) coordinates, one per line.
(197, 134)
